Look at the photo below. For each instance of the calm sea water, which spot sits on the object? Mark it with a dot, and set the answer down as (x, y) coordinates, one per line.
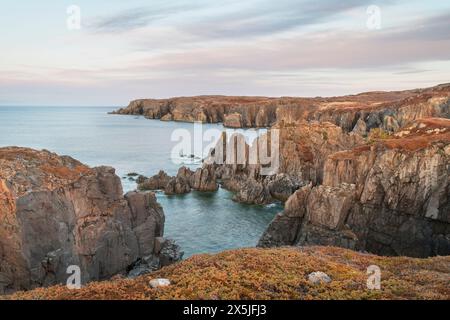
(200, 222)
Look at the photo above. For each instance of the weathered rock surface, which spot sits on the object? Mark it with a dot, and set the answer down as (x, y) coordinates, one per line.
(203, 179)
(177, 185)
(165, 252)
(325, 202)
(233, 120)
(304, 148)
(302, 152)
(169, 253)
(376, 109)
(235, 111)
(391, 197)
(157, 182)
(56, 212)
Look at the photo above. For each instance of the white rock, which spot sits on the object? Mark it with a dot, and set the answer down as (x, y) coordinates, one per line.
(318, 277)
(155, 283)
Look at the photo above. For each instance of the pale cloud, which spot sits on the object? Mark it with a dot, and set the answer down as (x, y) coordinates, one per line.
(255, 47)
(135, 18)
(228, 19)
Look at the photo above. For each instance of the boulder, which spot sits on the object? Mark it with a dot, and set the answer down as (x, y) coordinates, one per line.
(157, 182)
(318, 277)
(177, 185)
(282, 186)
(252, 191)
(160, 282)
(166, 252)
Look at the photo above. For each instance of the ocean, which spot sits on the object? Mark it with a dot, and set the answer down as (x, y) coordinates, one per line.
(199, 222)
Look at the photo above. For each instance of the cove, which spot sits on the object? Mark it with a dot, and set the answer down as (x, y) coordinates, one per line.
(199, 222)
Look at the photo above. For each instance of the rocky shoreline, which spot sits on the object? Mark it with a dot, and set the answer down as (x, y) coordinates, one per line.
(387, 195)
(381, 185)
(369, 172)
(389, 110)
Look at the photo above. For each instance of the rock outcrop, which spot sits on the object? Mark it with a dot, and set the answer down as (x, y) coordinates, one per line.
(301, 155)
(202, 179)
(234, 111)
(390, 196)
(347, 202)
(157, 182)
(56, 212)
(387, 110)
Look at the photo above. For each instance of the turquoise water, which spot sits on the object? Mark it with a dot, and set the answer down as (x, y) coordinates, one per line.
(200, 222)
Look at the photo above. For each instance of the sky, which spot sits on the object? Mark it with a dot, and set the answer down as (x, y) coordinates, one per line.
(108, 52)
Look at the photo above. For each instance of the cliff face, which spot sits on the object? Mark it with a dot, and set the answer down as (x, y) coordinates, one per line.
(389, 110)
(234, 112)
(305, 147)
(302, 151)
(56, 212)
(390, 196)
(364, 171)
(386, 110)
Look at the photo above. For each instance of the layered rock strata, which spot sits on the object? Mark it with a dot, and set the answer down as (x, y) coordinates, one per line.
(298, 159)
(387, 110)
(390, 196)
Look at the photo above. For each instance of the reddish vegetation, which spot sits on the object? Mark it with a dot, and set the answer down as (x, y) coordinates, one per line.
(13, 153)
(421, 134)
(61, 172)
(274, 274)
(415, 143)
(433, 123)
(350, 154)
(32, 169)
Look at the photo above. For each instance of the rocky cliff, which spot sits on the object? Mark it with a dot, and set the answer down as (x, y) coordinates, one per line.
(234, 112)
(389, 110)
(347, 167)
(390, 196)
(298, 160)
(56, 212)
